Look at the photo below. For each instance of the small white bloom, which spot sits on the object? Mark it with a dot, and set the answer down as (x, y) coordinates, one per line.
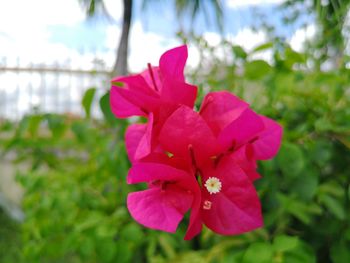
(213, 185)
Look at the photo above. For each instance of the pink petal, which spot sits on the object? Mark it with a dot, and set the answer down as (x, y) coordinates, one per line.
(163, 158)
(244, 157)
(186, 129)
(126, 102)
(195, 226)
(236, 208)
(136, 83)
(158, 209)
(172, 63)
(245, 128)
(220, 109)
(178, 92)
(122, 107)
(269, 140)
(138, 140)
(148, 172)
(146, 74)
(133, 136)
(196, 223)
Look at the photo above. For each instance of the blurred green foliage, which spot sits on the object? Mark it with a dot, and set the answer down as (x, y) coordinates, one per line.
(75, 190)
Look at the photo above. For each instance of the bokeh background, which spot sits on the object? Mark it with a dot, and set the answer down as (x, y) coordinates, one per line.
(62, 155)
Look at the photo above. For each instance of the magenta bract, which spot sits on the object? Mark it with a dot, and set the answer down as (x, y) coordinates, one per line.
(203, 162)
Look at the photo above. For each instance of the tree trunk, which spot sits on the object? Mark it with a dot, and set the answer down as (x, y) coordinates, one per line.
(121, 65)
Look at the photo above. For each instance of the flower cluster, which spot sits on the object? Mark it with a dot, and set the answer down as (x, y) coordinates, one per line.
(204, 162)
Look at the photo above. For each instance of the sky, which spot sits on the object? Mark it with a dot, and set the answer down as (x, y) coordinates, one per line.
(49, 31)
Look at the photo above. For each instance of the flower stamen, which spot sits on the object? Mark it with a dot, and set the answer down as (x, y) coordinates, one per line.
(152, 76)
(213, 185)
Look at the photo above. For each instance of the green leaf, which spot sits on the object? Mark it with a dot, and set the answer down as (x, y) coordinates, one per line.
(334, 206)
(285, 243)
(306, 186)
(340, 252)
(106, 109)
(301, 254)
(293, 57)
(81, 131)
(33, 124)
(87, 247)
(167, 245)
(56, 124)
(262, 47)
(239, 52)
(257, 69)
(291, 160)
(133, 232)
(258, 253)
(87, 100)
(106, 249)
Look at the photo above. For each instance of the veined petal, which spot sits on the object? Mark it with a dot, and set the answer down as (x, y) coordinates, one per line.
(158, 209)
(178, 92)
(136, 83)
(236, 208)
(153, 78)
(244, 157)
(172, 63)
(122, 107)
(186, 129)
(133, 136)
(269, 140)
(126, 103)
(221, 108)
(148, 172)
(245, 128)
(138, 140)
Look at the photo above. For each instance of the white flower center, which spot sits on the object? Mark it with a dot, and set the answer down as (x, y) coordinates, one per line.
(213, 185)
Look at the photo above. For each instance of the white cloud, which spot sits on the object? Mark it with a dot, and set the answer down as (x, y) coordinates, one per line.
(24, 27)
(147, 47)
(247, 3)
(300, 36)
(20, 18)
(249, 39)
(114, 8)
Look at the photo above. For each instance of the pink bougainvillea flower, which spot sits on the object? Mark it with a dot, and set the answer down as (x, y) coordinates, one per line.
(156, 90)
(171, 193)
(202, 161)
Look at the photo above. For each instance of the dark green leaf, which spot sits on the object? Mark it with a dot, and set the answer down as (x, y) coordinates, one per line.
(87, 100)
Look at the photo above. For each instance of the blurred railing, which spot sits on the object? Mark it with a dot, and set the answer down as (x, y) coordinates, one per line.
(56, 87)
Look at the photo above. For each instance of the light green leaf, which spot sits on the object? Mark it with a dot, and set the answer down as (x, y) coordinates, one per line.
(239, 52)
(257, 69)
(285, 243)
(258, 253)
(262, 47)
